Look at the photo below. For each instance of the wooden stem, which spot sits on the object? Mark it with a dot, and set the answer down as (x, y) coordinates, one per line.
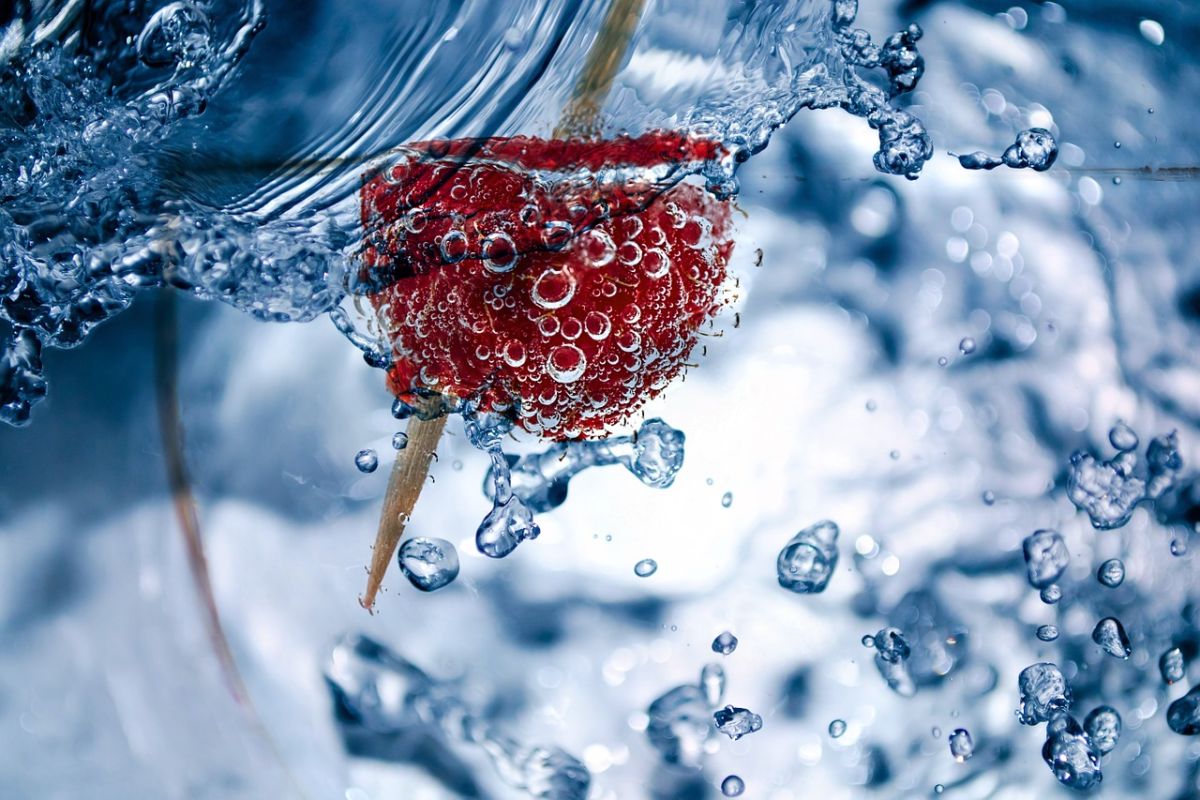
(581, 119)
(404, 487)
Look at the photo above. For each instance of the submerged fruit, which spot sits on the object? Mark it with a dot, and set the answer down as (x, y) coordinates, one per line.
(554, 278)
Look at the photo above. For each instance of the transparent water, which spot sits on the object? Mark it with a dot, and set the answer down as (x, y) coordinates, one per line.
(933, 365)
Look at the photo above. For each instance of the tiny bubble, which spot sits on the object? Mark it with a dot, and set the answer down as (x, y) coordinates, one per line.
(943, 361)
(837, 728)
(871, 406)
(727, 499)
(966, 346)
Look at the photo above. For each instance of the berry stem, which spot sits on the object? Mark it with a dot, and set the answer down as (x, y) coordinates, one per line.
(581, 118)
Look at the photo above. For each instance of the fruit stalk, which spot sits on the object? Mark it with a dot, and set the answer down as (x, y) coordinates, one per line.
(579, 119)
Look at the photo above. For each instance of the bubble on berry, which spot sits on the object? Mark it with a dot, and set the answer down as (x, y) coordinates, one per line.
(553, 289)
(657, 263)
(499, 253)
(453, 247)
(557, 234)
(572, 328)
(597, 325)
(566, 363)
(599, 248)
(513, 353)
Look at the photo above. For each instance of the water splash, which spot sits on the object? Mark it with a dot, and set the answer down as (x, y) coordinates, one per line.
(1034, 149)
(540, 480)
(377, 689)
(680, 722)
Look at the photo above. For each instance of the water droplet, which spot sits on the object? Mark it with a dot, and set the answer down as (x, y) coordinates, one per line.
(566, 363)
(399, 440)
(807, 562)
(966, 346)
(1103, 726)
(737, 722)
(712, 683)
(732, 786)
(725, 643)
(429, 564)
(553, 289)
(891, 656)
(867, 640)
(1111, 573)
(989, 497)
(727, 500)
(1183, 716)
(679, 725)
(962, 747)
(894, 455)
(837, 728)
(1046, 557)
(1106, 490)
(1110, 634)
(1178, 546)
(506, 526)
(871, 406)
(1071, 755)
(1047, 633)
(645, 568)
(1051, 594)
(366, 460)
(1122, 437)
(1044, 692)
(1172, 666)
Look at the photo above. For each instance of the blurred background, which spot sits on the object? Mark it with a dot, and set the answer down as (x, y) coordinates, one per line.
(914, 360)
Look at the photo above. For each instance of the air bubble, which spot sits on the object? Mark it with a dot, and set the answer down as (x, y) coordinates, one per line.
(553, 289)
(566, 363)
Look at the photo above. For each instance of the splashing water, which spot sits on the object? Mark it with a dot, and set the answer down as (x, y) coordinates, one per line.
(376, 689)
(100, 202)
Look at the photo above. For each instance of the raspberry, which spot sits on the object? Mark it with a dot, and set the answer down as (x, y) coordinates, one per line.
(554, 279)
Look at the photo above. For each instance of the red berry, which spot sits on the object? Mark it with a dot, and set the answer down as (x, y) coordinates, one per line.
(553, 277)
